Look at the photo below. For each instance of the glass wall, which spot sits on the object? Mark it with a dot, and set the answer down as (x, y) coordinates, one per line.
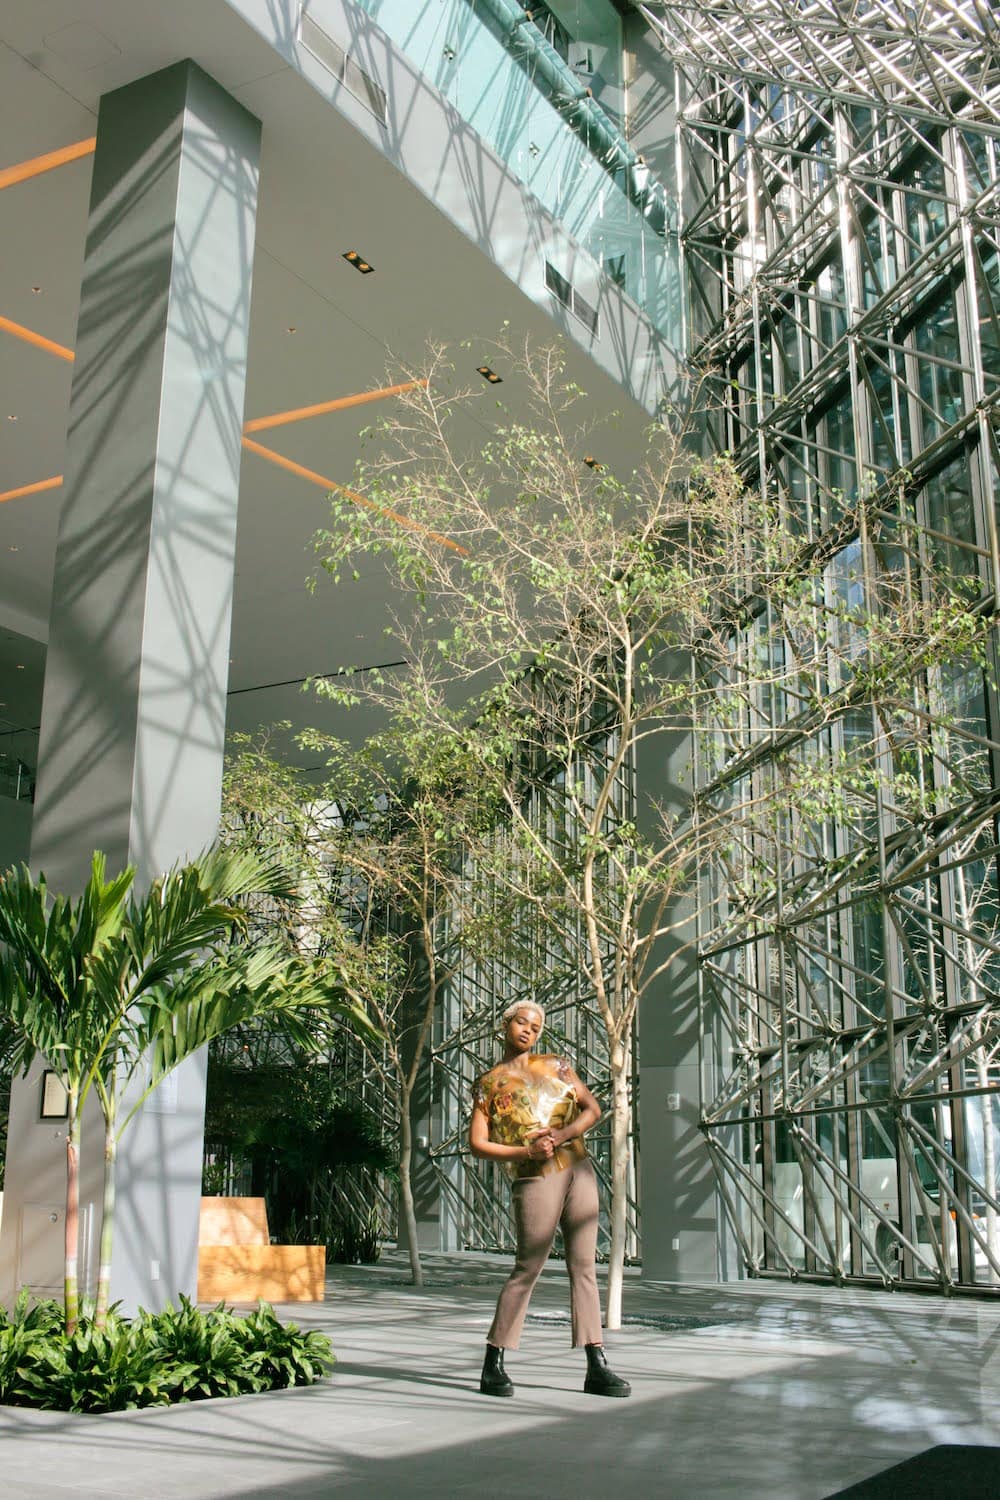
(843, 271)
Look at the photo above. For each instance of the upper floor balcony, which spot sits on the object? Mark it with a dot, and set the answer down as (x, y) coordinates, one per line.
(546, 89)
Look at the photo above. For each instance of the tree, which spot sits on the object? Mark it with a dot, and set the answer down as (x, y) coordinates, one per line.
(379, 846)
(552, 639)
(561, 622)
(116, 990)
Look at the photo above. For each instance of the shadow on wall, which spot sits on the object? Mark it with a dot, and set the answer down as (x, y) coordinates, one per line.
(133, 714)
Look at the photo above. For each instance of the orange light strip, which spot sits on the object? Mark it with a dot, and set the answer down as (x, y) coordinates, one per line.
(40, 342)
(281, 418)
(284, 463)
(32, 489)
(36, 165)
(331, 484)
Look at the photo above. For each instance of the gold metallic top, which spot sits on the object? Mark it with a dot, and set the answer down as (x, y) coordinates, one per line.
(519, 1102)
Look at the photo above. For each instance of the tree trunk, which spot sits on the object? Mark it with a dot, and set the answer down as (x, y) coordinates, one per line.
(107, 1228)
(406, 1189)
(71, 1286)
(620, 1122)
(989, 1155)
(982, 1079)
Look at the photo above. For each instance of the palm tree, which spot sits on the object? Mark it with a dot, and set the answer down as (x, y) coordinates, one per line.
(46, 994)
(114, 983)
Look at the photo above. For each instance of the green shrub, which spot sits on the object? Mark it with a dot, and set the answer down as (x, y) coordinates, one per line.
(25, 1332)
(204, 1349)
(352, 1238)
(152, 1360)
(286, 1356)
(32, 1317)
(116, 1368)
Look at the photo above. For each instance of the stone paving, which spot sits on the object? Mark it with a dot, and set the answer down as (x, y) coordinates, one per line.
(758, 1389)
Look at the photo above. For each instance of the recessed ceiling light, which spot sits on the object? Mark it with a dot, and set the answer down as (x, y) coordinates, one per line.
(358, 262)
(490, 375)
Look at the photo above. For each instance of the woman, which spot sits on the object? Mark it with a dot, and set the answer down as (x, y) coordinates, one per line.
(531, 1113)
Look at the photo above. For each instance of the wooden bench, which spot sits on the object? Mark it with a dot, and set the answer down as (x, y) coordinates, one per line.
(238, 1263)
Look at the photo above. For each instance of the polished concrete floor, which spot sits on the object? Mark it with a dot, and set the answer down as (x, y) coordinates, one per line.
(754, 1390)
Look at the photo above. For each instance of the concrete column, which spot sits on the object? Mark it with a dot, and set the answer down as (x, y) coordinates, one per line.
(680, 1220)
(133, 716)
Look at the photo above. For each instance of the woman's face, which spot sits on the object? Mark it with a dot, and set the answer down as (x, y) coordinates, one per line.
(523, 1029)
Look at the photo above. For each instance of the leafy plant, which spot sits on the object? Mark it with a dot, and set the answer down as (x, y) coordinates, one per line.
(42, 1317)
(352, 1239)
(24, 1332)
(114, 1368)
(118, 987)
(209, 1358)
(284, 1355)
(154, 1359)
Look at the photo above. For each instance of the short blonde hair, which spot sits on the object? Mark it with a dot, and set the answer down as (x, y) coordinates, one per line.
(512, 1010)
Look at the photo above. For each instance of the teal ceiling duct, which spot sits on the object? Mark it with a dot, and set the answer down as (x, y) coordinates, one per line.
(512, 23)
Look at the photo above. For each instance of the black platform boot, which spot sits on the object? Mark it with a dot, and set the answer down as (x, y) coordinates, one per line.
(602, 1381)
(494, 1380)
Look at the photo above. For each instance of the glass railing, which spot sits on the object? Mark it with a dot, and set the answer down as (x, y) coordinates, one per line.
(548, 104)
(18, 759)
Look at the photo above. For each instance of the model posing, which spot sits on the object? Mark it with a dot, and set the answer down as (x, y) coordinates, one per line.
(531, 1114)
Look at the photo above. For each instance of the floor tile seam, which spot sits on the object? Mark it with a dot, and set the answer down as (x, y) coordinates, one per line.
(878, 1305)
(898, 1327)
(204, 1412)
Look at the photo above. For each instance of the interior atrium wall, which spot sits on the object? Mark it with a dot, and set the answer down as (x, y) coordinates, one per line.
(838, 225)
(807, 203)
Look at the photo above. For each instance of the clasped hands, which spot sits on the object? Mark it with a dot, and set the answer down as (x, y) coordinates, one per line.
(543, 1143)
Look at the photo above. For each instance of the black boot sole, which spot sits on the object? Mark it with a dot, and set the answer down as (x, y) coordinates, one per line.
(593, 1389)
(486, 1389)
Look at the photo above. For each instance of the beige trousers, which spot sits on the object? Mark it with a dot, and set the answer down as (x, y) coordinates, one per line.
(566, 1199)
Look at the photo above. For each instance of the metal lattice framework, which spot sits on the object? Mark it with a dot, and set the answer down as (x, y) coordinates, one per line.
(841, 232)
(932, 61)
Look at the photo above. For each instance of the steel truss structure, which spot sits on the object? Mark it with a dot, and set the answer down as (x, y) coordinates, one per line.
(841, 233)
